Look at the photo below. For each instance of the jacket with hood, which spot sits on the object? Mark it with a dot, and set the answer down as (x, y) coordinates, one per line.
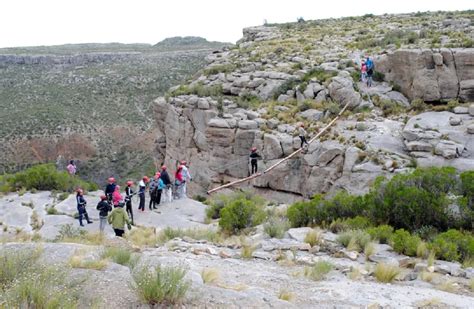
(118, 218)
(103, 207)
(116, 197)
(165, 177)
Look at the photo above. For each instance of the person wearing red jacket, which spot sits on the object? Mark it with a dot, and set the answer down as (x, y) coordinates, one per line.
(116, 196)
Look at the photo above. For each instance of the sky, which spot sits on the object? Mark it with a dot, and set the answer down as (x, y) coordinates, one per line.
(53, 22)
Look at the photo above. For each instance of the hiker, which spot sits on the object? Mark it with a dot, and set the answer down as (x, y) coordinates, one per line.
(160, 185)
(178, 182)
(370, 71)
(153, 187)
(128, 199)
(363, 72)
(302, 135)
(141, 192)
(103, 207)
(167, 192)
(110, 189)
(118, 218)
(186, 176)
(81, 207)
(253, 159)
(116, 196)
(71, 168)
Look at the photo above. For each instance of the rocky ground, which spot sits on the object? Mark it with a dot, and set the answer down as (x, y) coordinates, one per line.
(273, 275)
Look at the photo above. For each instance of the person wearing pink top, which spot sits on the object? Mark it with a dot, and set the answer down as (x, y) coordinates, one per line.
(71, 168)
(363, 72)
(116, 196)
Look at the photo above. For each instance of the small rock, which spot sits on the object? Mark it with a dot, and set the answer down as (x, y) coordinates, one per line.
(471, 109)
(470, 129)
(419, 267)
(455, 121)
(203, 104)
(352, 255)
(299, 234)
(410, 276)
(211, 251)
(461, 110)
(225, 254)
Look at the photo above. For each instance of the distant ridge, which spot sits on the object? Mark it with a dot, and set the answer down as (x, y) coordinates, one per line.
(188, 42)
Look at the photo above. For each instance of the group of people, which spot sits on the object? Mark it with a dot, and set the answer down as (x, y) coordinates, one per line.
(367, 71)
(159, 187)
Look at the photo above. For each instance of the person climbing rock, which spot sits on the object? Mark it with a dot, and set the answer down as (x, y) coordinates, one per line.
(186, 176)
(167, 191)
(71, 168)
(178, 182)
(254, 156)
(160, 185)
(152, 188)
(129, 193)
(110, 189)
(118, 218)
(103, 207)
(302, 134)
(116, 196)
(370, 70)
(141, 192)
(81, 207)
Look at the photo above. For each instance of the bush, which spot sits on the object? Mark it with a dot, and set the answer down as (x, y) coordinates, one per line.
(246, 210)
(378, 76)
(453, 245)
(304, 213)
(14, 264)
(163, 285)
(276, 227)
(382, 233)
(118, 255)
(354, 240)
(405, 243)
(418, 105)
(46, 177)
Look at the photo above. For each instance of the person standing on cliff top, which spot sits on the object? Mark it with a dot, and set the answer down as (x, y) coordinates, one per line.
(167, 191)
(141, 192)
(81, 207)
(71, 168)
(186, 176)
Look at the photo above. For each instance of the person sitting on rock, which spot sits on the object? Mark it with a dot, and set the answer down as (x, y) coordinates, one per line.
(302, 135)
(110, 189)
(141, 192)
(81, 207)
(152, 188)
(254, 156)
(116, 196)
(167, 192)
(103, 207)
(128, 199)
(118, 218)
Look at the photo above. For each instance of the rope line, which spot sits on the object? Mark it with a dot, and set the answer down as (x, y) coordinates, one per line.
(230, 184)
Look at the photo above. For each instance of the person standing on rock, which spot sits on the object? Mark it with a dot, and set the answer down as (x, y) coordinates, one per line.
(110, 189)
(160, 185)
(71, 168)
(81, 207)
(116, 196)
(302, 134)
(254, 156)
(128, 199)
(165, 177)
(363, 72)
(118, 218)
(141, 192)
(103, 207)
(186, 176)
(178, 182)
(152, 188)
(370, 71)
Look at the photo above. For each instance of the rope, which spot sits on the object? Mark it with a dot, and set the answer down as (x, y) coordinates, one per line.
(282, 160)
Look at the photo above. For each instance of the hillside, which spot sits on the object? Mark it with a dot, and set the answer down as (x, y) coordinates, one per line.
(82, 101)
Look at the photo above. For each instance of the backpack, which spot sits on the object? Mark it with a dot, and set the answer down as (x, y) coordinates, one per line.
(370, 64)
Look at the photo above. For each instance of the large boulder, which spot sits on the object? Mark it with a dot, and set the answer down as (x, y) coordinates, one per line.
(341, 90)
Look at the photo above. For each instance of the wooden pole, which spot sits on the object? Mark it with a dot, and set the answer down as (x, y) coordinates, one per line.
(230, 184)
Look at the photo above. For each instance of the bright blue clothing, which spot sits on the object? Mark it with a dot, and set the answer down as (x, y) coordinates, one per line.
(161, 184)
(370, 64)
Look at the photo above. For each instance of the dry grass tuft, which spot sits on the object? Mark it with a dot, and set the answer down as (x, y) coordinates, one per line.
(210, 275)
(313, 237)
(286, 295)
(386, 273)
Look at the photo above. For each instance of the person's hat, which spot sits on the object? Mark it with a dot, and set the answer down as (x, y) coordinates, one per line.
(254, 149)
(157, 176)
(79, 190)
(146, 179)
(103, 197)
(111, 179)
(163, 167)
(183, 162)
(129, 183)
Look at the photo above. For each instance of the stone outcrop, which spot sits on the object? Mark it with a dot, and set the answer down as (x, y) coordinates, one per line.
(431, 75)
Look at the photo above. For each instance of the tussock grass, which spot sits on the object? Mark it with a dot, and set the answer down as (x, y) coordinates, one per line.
(197, 234)
(122, 256)
(71, 234)
(386, 273)
(313, 237)
(246, 251)
(354, 240)
(370, 249)
(471, 284)
(431, 258)
(276, 227)
(14, 264)
(286, 295)
(79, 261)
(422, 250)
(143, 237)
(161, 285)
(318, 271)
(354, 274)
(210, 275)
(448, 286)
(427, 276)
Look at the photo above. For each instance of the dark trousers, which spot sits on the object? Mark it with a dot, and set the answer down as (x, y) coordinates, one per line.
(119, 232)
(128, 207)
(83, 214)
(152, 200)
(303, 141)
(142, 201)
(158, 196)
(253, 162)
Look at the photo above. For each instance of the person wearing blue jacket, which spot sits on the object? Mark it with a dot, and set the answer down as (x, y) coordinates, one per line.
(81, 207)
(370, 70)
(160, 186)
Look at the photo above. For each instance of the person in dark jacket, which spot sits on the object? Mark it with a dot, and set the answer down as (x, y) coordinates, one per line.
(103, 207)
(81, 207)
(167, 191)
(152, 189)
(129, 193)
(110, 188)
(254, 156)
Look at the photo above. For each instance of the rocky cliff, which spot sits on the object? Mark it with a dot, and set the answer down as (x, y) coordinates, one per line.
(278, 77)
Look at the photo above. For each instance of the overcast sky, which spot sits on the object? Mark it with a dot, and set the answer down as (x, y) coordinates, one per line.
(51, 22)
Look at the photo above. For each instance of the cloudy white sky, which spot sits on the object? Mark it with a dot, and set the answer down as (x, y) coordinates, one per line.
(51, 22)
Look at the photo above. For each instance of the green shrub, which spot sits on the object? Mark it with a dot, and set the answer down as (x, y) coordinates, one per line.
(354, 240)
(304, 213)
(46, 177)
(318, 271)
(378, 76)
(319, 74)
(276, 227)
(453, 245)
(221, 68)
(118, 255)
(358, 223)
(162, 285)
(382, 233)
(467, 187)
(14, 264)
(405, 243)
(418, 105)
(242, 212)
